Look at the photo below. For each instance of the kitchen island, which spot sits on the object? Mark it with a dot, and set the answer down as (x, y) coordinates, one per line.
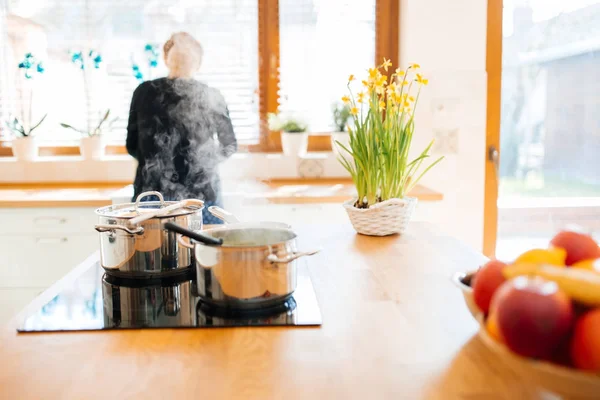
(394, 326)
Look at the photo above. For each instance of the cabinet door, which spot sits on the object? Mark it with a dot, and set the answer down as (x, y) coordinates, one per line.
(41, 259)
(47, 220)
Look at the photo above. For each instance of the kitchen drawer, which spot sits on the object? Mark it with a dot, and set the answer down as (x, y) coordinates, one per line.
(41, 259)
(47, 220)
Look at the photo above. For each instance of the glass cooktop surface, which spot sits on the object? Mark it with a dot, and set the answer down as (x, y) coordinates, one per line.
(96, 301)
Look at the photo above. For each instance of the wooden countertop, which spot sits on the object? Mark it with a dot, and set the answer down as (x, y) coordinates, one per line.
(289, 191)
(394, 327)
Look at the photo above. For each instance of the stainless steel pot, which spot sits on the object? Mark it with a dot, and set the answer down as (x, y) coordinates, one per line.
(133, 242)
(244, 268)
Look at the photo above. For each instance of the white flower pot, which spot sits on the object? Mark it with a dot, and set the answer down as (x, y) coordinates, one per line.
(92, 147)
(25, 148)
(294, 144)
(382, 219)
(344, 139)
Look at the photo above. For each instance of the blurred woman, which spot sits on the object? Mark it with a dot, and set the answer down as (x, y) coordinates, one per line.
(179, 130)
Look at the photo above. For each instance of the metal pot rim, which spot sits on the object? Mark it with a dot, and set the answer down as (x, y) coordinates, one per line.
(293, 236)
(114, 210)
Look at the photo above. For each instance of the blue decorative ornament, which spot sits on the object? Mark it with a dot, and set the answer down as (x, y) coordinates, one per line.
(148, 47)
(21, 65)
(153, 63)
(40, 68)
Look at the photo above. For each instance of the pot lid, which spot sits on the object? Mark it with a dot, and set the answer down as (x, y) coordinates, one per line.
(131, 210)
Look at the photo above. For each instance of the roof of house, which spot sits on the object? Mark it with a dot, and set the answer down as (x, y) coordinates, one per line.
(566, 35)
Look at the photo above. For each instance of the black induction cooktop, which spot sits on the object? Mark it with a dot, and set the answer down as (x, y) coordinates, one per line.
(96, 301)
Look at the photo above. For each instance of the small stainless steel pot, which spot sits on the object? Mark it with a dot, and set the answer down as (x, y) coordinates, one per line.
(244, 268)
(133, 242)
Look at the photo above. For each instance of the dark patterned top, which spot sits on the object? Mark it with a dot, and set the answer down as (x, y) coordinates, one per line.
(179, 131)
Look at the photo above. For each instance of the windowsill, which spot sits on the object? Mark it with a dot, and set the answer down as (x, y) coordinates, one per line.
(318, 142)
(120, 168)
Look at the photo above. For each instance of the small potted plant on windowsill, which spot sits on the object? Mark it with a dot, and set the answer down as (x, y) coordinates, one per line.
(24, 145)
(341, 116)
(377, 156)
(293, 134)
(92, 142)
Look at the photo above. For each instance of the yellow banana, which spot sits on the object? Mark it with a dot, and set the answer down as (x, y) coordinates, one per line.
(580, 285)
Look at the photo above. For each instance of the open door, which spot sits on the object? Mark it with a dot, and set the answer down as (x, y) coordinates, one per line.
(494, 88)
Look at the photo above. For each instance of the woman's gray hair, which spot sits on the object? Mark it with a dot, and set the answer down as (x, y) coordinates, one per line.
(183, 55)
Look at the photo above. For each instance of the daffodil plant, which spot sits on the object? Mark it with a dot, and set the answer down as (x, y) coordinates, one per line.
(381, 134)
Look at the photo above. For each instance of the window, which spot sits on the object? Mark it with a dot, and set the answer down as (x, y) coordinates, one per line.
(261, 54)
(322, 42)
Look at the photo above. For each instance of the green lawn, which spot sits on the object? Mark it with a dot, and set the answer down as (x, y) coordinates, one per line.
(548, 187)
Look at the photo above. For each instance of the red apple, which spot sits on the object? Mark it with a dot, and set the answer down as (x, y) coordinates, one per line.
(533, 315)
(585, 344)
(485, 283)
(579, 246)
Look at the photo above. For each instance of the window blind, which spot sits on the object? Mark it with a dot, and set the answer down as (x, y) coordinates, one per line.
(119, 31)
(322, 42)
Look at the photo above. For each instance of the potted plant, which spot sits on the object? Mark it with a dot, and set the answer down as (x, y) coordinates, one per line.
(377, 156)
(92, 144)
(293, 133)
(24, 145)
(341, 116)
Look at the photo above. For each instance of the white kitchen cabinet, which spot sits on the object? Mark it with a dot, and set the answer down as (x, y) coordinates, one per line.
(39, 246)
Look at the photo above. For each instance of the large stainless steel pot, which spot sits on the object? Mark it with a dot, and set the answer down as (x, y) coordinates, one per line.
(133, 242)
(244, 268)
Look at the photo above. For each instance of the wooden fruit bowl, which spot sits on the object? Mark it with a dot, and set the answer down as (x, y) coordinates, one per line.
(556, 378)
(462, 280)
(553, 377)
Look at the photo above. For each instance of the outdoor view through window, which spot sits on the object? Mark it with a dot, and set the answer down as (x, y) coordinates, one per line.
(318, 42)
(550, 127)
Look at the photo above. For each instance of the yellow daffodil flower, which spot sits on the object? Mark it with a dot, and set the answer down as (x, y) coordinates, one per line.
(421, 80)
(381, 80)
(346, 99)
(354, 111)
(365, 83)
(373, 73)
(381, 105)
(400, 72)
(361, 97)
(411, 98)
(386, 64)
(351, 78)
(415, 66)
(406, 104)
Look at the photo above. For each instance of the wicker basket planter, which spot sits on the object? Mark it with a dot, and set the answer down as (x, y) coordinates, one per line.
(382, 219)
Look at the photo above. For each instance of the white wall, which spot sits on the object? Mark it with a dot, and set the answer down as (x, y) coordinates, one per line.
(448, 39)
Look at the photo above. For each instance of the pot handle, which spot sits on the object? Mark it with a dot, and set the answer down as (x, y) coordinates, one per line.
(294, 256)
(112, 228)
(138, 200)
(183, 243)
(223, 215)
(208, 240)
